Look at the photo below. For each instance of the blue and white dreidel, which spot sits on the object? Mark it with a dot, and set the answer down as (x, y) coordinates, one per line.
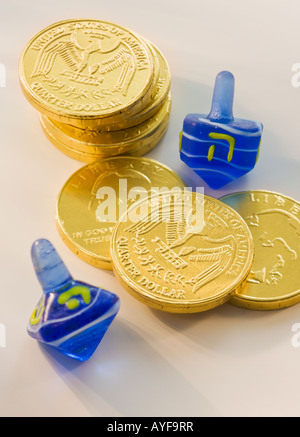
(219, 147)
(71, 316)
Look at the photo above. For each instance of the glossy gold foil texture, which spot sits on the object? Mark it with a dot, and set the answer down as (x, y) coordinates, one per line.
(94, 197)
(274, 222)
(101, 89)
(170, 263)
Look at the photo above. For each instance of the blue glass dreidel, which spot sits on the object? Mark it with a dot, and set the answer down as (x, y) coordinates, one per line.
(71, 316)
(219, 147)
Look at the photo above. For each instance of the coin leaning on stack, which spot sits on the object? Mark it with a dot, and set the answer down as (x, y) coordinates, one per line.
(101, 89)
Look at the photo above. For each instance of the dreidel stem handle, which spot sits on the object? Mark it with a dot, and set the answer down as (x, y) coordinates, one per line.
(222, 102)
(49, 267)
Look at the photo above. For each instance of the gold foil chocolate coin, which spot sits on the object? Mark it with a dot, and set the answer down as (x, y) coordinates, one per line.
(181, 252)
(84, 70)
(92, 155)
(274, 221)
(161, 92)
(89, 157)
(110, 143)
(94, 197)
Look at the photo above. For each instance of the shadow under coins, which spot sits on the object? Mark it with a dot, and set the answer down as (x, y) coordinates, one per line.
(127, 377)
(233, 331)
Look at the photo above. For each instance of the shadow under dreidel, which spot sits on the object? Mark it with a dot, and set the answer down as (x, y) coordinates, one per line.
(64, 361)
(128, 377)
(195, 181)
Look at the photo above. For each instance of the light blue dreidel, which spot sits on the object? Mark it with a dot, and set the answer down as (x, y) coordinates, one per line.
(71, 316)
(219, 147)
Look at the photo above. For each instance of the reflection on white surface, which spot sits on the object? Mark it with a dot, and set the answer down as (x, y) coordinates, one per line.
(131, 378)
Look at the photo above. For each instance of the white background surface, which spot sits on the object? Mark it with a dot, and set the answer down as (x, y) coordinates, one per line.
(224, 362)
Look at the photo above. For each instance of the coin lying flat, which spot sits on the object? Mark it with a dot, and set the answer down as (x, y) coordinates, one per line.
(169, 259)
(87, 152)
(107, 143)
(94, 197)
(274, 221)
(77, 70)
(91, 157)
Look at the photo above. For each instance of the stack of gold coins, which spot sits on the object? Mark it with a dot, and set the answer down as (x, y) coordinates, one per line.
(101, 89)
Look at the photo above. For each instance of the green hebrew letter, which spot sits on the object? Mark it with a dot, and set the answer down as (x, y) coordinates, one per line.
(216, 136)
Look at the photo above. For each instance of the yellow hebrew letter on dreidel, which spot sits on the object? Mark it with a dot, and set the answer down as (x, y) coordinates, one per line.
(216, 136)
(72, 303)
